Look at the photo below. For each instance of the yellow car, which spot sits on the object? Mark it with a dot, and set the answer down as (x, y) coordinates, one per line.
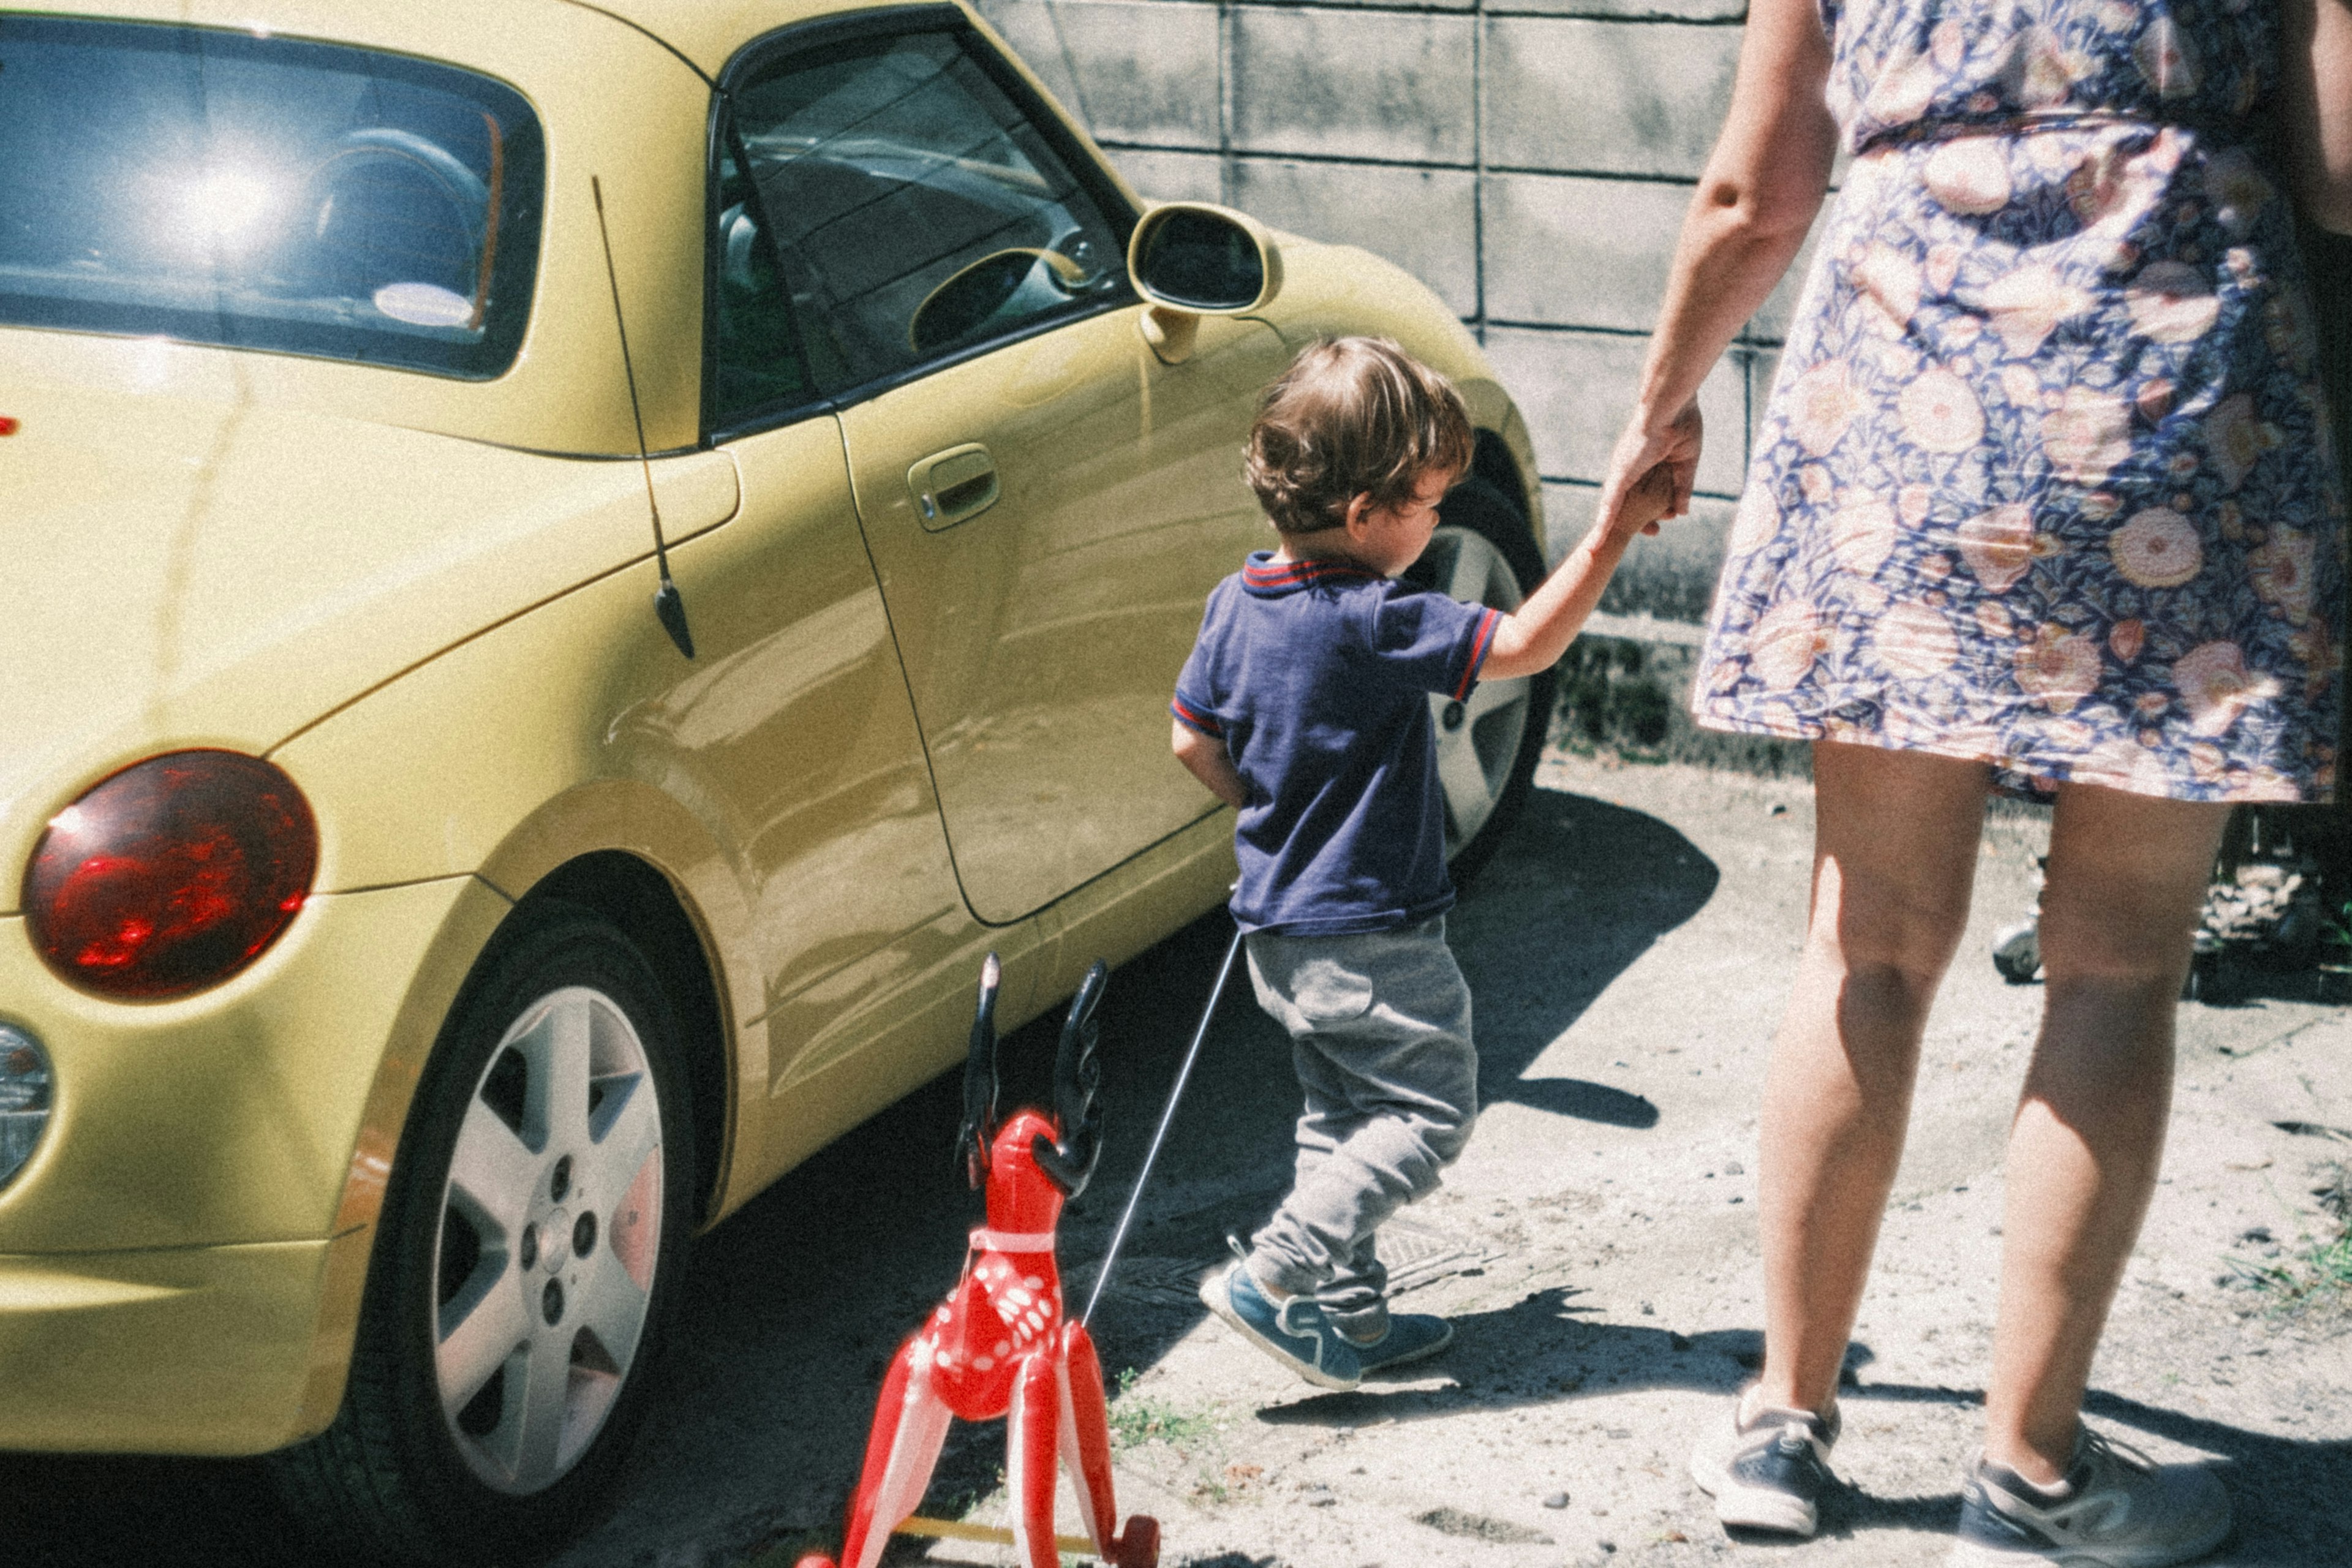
(571, 570)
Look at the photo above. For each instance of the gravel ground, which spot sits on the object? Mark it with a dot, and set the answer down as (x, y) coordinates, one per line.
(1629, 952)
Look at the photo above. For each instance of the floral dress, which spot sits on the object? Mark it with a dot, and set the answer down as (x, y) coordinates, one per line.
(2044, 482)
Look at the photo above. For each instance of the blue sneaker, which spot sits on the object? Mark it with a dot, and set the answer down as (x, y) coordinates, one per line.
(1295, 1333)
(1409, 1337)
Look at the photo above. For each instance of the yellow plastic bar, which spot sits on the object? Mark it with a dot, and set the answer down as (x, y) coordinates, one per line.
(956, 1530)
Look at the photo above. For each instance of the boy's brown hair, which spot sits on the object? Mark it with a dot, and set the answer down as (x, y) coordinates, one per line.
(1352, 416)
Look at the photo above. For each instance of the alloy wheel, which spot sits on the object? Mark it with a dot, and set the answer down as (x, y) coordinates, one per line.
(550, 1233)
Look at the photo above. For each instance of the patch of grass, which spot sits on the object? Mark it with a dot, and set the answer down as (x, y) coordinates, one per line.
(2315, 1274)
(1140, 1418)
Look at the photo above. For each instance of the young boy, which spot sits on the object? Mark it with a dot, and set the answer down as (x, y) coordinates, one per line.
(1305, 707)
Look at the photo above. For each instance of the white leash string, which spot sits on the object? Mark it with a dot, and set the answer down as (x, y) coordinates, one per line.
(1183, 1074)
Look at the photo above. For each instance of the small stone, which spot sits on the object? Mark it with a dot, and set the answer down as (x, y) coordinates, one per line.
(1734, 1168)
(1648, 1310)
(1556, 1499)
(1777, 808)
(1620, 1434)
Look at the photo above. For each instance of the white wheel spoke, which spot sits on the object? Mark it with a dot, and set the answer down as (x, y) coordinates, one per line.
(1464, 576)
(478, 1344)
(491, 1175)
(558, 1072)
(1478, 574)
(547, 1386)
(631, 1136)
(611, 1308)
(1469, 798)
(1493, 694)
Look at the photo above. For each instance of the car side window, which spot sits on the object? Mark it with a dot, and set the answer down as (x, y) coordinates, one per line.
(759, 356)
(916, 211)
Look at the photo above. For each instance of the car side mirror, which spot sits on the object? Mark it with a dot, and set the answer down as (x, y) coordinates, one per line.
(1189, 259)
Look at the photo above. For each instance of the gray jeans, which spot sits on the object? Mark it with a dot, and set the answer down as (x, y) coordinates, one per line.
(1379, 1032)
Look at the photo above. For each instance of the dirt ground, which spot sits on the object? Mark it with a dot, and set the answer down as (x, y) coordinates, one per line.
(1630, 951)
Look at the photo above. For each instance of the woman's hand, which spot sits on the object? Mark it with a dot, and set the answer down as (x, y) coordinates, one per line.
(1644, 451)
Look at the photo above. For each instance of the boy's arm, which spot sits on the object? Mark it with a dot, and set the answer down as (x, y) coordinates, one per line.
(1210, 762)
(1532, 638)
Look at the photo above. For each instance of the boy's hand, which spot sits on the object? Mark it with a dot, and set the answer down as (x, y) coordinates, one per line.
(1650, 499)
(1533, 637)
(1209, 762)
(1646, 454)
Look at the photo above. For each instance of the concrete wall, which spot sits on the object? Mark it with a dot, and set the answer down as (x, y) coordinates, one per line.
(1529, 160)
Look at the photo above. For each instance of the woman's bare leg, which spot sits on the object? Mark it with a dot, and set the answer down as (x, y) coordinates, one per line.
(2127, 876)
(1894, 856)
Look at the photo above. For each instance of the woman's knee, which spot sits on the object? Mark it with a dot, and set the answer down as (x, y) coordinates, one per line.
(2127, 880)
(1895, 862)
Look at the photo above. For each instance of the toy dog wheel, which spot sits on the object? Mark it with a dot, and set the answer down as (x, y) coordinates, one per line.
(814, 1560)
(1137, 1546)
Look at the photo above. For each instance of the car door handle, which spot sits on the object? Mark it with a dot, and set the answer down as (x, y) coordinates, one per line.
(954, 486)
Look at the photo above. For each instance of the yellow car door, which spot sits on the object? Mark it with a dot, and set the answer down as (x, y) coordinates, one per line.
(1046, 504)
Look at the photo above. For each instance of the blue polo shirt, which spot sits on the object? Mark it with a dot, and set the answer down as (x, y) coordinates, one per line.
(1316, 677)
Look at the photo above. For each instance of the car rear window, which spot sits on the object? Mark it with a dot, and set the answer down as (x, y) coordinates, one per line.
(264, 193)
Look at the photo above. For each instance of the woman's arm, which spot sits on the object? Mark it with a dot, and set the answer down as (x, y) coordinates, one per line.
(1755, 202)
(2315, 97)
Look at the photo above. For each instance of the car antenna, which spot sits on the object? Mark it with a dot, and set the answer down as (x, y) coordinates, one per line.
(669, 608)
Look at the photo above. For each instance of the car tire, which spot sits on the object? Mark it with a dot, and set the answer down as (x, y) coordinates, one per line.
(1488, 748)
(527, 1264)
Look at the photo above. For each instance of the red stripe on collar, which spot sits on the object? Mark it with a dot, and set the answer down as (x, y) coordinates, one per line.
(1299, 574)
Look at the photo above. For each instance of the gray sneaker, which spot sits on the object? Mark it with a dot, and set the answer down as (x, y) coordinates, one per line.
(2115, 1509)
(1771, 1472)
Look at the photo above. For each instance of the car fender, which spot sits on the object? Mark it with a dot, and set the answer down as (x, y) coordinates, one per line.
(512, 813)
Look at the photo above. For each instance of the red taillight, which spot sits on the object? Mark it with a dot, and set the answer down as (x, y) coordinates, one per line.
(171, 875)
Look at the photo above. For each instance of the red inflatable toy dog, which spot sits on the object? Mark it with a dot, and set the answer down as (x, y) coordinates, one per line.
(998, 1346)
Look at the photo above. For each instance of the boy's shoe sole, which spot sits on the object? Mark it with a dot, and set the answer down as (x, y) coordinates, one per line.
(1411, 1337)
(1770, 1475)
(1217, 1295)
(2122, 1511)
